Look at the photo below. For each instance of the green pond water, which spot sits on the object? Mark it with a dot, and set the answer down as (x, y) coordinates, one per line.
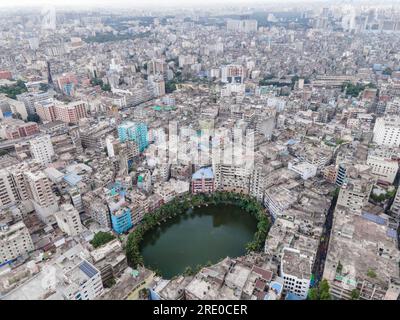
(208, 233)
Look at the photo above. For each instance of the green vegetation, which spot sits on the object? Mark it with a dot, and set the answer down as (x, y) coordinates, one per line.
(339, 141)
(14, 90)
(3, 152)
(170, 86)
(388, 71)
(180, 206)
(335, 193)
(111, 37)
(339, 268)
(355, 294)
(267, 81)
(99, 82)
(108, 37)
(101, 238)
(371, 273)
(44, 87)
(321, 292)
(355, 90)
(109, 283)
(383, 196)
(33, 118)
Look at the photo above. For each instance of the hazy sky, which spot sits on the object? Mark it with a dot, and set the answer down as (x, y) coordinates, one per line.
(132, 3)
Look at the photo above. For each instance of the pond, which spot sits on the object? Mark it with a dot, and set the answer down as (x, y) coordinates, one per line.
(201, 235)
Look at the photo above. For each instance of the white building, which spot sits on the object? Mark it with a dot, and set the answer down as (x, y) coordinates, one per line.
(42, 149)
(296, 272)
(354, 194)
(395, 208)
(304, 169)
(15, 241)
(68, 220)
(387, 131)
(242, 25)
(382, 168)
(76, 199)
(13, 106)
(278, 199)
(232, 178)
(8, 194)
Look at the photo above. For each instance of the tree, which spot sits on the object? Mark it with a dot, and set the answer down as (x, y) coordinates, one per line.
(188, 271)
(33, 117)
(321, 292)
(371, 273)
(101, 238)
(388, 71)
(106, 87)
(44, 87)
(14, 90)
(355, 294)
(109, 283)
(170, 86)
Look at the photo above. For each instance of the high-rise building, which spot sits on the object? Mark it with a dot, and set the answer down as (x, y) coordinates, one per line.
(76, 199)
(82, 280)
(387, 131)
(382, 167)
(132, 131)
(8, 189)
(15, 241)
(203, 181)
(233, 73)
(356, 189)
(46, 110)
(43, 198)
(295, 270)
(42, 149)
(121, 220)
(30, 98)
(72, 112)
(67, 83)
(68, 220)
(395, 208)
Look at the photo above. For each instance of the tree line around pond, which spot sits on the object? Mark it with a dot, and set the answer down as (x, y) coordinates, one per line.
(180, 206)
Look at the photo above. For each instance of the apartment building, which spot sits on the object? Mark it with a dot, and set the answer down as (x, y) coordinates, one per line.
(71, 112)
(42, 149)
(355, 191)
(43, 198)
(387, 131)
(15, 129)
(233, 73)
(383, 168)
(296, 272)
(68, 220)
(363, 257)
(15, 241)
(232, 178)
(203, 181)
(121, 220)
(8, 189)
(46, 110)
(31, 98)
